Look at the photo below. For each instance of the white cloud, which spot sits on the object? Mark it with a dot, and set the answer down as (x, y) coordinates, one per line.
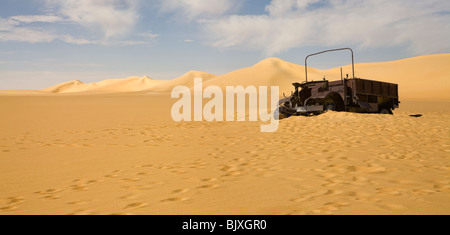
(32, 35)
(16, 29)
(420, 25)
(128, 43)
(12, 29)
(22, 34)
(78, 41)
(36, 18)
(114, 18)
(285, 7)
(192, 9)
(6, 24)
(150, 36)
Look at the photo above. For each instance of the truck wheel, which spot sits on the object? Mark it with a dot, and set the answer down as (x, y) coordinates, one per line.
(333, 102)
(386, 111)
(330, 107)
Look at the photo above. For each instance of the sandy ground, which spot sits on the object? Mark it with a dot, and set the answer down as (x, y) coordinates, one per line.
(112, 148)
(122, 154)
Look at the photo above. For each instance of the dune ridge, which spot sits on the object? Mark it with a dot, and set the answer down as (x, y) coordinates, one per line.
(112, 85)
(184, 80)
(65, 86)
(420, 78)
(131, 84)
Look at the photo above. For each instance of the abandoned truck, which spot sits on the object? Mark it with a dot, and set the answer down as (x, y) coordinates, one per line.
(348, 95)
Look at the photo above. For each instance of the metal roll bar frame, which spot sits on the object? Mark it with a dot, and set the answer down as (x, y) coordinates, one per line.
(340, 49)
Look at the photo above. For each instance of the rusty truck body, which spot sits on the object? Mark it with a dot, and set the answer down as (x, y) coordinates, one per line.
(347, 95)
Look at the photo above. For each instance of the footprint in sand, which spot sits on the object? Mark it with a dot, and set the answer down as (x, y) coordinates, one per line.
(11, 203)
(114, 174)
(83, 212)
(424, 192)
(129, 197)
(130, 180)
(301, 199)
(367, 199)
(52, 197)
(330, 208)
(441, 187)
(146, 166)
(177, 191)
(208, 186)
(78, 203)
(49, 194)
(136, 205)
(230, 170)
(79, 187)
(208, 180)
(175, 199)
(333, 182)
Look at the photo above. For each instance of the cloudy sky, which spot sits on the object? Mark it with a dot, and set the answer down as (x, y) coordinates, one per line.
(46, 42)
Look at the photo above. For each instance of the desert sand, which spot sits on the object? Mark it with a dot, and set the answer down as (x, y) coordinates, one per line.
(113, 148)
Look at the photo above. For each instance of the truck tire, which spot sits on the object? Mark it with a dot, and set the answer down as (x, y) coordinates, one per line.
(333, 102)
(330, 107)
(386, 111)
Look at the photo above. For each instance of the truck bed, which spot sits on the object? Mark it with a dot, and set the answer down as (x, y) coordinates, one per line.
(373, 88)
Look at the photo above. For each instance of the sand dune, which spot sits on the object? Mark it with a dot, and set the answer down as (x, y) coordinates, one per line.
(131, 84)
(269, 72)
(71, 86)
(420, 78)
(185, 80)
(108, 86)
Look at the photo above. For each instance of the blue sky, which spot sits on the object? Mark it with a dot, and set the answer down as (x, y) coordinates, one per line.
(46, 42)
